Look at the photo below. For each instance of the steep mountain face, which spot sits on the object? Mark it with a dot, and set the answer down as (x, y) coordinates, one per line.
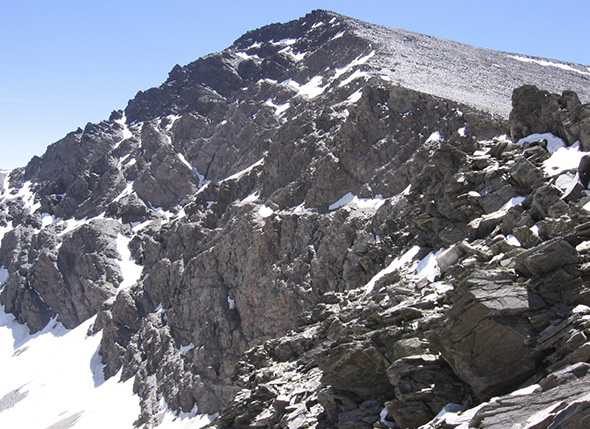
(329, 224)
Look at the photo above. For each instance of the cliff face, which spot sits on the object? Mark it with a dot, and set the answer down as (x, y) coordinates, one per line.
(328, 224)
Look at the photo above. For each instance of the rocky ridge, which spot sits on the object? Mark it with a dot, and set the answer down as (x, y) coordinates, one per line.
(317, 227)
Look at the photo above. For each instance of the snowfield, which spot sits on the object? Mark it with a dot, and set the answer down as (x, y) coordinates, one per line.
(55, 379)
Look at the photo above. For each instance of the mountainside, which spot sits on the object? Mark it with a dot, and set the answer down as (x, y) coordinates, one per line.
(329, 224)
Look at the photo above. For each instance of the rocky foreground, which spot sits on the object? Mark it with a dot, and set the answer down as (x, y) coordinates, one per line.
(327, 225)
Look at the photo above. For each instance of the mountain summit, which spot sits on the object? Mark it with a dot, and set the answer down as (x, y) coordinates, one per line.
(329, 224)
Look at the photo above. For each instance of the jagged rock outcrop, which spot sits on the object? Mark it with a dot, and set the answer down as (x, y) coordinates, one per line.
(309, 229)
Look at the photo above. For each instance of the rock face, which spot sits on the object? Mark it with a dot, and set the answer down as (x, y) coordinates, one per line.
(324, 225)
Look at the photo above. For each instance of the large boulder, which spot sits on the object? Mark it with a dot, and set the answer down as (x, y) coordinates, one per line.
(486, 334)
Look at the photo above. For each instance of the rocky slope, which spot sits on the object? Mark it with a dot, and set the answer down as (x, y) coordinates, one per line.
(329, 224)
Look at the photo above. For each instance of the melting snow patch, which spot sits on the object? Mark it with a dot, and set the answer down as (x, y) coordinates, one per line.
(349, 199)
(338, 36)
(356, 75)
(435, 137)
(317, 24)
(195, 172)
(546, 63)
(512, 202)
(354, 97)
(284, 42)
(127, 191)
(126, 134)
(5, 229)
(265, 211)
(291, 54)
(554, 143)
(512, 240)
(356, 62)
(26, 195)
(130, 271)
(61, 373)
(280, 109)
(395, 265)
(244, 171)
(185, 349)
(565, 158)
(3, 275)
(46, 220)
(245, 56)
(427, 267)
(190, 420)
(310, 90)
(141, 226)
(533, 388)
(254, 45)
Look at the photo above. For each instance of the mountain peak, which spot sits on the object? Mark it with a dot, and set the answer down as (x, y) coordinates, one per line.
(327, 224)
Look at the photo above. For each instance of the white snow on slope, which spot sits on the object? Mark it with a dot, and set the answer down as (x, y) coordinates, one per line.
(24, 193)
(5, 229)
(126, 133)
(395, 265)
(338, 36)
(3, 275)
(191, 420)
(427, 267)
(546, 63)
(354, 97)
(309, 90)
(60, 373)
(280, 109)
(565, 158)
(360, 60)
(562, 157)
(554, 143)
(244, 171)
(351, 200)
(130, 271)
(296, 57)
(284, 42)
(435, 137)
(357, 74)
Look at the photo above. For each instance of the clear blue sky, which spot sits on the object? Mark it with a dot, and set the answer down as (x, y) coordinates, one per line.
(64, 63)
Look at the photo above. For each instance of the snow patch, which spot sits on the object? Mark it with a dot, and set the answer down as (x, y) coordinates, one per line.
(435, 137)
(427, 267)
(546, 63)
(130, 271)
(395, 265)
(244, 171)
(360, 60)
(512, 240)
(349, 199)
(125, 192)
(533, 388)
(284, 42)
(265, 211)
(554, 143)
(4, 275)
(296, 57)
(565, 158)
(357, 74)
(338, 36)
(280, 109)
(309, 90)
(61, 376)
(354, 97)
(245, 56)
